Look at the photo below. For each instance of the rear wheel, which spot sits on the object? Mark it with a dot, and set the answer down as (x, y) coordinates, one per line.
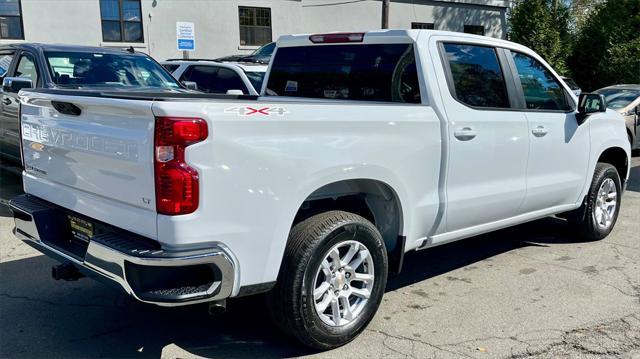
(598, 214)
(331, 280)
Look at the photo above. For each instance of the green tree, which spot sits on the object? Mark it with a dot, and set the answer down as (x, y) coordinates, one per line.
(543, 25)
(607, 46)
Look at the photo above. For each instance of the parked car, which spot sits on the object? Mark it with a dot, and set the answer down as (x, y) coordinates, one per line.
(572, 85)
(29, 65)
(626, 100)
(362, 147)
(261, 55)
(218, 77)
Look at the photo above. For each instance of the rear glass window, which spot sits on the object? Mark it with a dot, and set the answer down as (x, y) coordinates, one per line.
(385, 72)
(477, 77)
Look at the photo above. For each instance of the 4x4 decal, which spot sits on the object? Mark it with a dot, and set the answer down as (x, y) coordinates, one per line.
(260, 111)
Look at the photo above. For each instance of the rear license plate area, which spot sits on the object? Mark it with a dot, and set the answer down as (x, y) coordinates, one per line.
(81, 230)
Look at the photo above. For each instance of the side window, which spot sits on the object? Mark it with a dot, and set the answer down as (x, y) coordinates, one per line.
(228, 80)
(541, 90)
(27, 68)
(477, 76)
(204, 76)
(5, 62)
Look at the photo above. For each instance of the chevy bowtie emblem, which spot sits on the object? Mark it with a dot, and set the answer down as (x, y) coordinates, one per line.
(257, 110)
(37, 146)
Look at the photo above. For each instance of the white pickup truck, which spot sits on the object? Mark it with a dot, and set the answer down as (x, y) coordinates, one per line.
(361, 147)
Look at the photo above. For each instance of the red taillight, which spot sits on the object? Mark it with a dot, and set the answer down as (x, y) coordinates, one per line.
(337, 37)
(176, 183)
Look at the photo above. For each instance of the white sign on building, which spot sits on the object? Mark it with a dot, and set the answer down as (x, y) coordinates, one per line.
(185, 36)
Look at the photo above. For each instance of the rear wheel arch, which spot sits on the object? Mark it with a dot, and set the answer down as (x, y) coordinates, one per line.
(372, 199)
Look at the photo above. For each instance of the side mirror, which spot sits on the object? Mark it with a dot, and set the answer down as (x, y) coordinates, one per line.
(235, 92)
(590, 103)
(15, 84)
(190, 85)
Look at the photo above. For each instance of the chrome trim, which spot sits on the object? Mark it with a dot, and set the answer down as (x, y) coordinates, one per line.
(110, 263)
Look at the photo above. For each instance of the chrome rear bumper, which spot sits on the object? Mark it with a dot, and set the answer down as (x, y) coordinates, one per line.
(144, 271)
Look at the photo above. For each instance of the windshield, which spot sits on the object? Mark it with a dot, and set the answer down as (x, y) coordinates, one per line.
(82, 69)
(256, 79)
(619, 98)
(265, 50)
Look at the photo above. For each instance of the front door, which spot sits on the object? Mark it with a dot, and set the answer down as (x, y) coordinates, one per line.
(559, 147)
(488, 142)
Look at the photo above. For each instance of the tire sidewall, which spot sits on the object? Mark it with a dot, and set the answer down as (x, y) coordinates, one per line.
(369, 237)
(611, 173)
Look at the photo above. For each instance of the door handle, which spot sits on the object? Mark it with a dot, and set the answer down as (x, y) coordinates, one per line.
(465, 134)
(539, 131)
(6, 101)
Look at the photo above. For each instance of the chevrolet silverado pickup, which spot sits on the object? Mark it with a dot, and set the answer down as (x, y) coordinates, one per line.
(360, 148)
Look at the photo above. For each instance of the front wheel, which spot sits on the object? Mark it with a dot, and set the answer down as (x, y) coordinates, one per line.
(598, 214)
(331, 281)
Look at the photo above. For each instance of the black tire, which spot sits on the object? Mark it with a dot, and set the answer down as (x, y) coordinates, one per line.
(291, 302)
(583, 220)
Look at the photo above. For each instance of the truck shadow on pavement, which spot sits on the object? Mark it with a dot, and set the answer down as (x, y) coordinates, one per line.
(40, 317)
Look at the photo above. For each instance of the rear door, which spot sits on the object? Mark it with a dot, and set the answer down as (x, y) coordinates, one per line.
(559, 147)
(488, 142)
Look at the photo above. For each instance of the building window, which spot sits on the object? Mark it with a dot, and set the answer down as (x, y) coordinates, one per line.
(422, 25)
(474, 29)
(255, 25)
(11, 20)
(121, 20)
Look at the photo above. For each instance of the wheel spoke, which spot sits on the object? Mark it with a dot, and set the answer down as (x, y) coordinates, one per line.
(612, 195)
(335, 311)
(362, 255)
(362, 293)
(346, 307)
(322, 306)
(321, 290)
(367, 278)
(353, 250)
(326, 268)
(335, 258)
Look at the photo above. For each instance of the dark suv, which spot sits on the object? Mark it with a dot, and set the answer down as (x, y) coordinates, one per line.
(64, 67)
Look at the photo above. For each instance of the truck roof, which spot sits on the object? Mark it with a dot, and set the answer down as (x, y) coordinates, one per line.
(382, 36)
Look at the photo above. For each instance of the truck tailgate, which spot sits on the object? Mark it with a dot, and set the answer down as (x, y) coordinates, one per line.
(98, 162)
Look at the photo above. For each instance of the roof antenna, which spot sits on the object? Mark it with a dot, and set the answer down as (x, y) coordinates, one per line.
(131, 50)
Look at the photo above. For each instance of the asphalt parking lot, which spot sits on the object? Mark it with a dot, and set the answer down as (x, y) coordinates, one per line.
(530, 291)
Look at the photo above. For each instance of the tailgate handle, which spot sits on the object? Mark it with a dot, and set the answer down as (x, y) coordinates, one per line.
(66, 108)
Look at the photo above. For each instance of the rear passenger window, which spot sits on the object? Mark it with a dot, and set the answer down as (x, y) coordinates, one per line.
(477, 76)
(384, 72)
(541, 90)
